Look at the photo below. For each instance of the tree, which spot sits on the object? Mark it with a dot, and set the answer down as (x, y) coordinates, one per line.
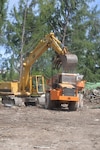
(92, 54)
(25, 31)
(3, 12)
(73, 22)
(77, 26)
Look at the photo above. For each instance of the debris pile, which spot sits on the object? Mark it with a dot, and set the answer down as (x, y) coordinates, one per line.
(95, 96)
(92, 92)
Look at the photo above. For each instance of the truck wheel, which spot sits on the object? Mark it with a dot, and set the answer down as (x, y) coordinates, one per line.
(73, 106)
(48, 102)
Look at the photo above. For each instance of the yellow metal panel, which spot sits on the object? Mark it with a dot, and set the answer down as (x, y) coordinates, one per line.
(14, 87)
(5, 86)
(11, 87)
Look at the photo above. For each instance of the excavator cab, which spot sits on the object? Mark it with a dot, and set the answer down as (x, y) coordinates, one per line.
(38, 86)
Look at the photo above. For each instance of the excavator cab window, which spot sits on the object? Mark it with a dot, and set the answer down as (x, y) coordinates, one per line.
(38, 84)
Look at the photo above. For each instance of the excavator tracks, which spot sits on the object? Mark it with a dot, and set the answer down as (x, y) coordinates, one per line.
(11, 100)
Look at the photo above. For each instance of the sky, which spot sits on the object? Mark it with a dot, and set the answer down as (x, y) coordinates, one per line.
(15, 2)
(97, 2)
(12, 3)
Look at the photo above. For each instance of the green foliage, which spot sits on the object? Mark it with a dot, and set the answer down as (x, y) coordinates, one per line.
(3, 12)
(74, 23)
(35, 28)
(77, 26)
(3, 9)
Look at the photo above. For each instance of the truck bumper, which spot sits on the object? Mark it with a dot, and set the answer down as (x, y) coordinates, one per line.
(56, 95)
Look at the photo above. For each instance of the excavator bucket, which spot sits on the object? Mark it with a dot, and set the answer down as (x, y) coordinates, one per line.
(69, 62)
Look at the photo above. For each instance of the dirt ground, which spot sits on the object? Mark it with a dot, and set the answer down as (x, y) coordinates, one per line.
(35, 128)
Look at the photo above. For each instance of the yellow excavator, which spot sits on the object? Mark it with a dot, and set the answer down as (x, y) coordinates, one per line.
(29, 87)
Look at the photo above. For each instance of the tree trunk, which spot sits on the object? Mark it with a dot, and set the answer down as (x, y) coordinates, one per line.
(22, 42)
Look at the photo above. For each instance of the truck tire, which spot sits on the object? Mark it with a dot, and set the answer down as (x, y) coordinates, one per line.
(73, 106)
(48, 102)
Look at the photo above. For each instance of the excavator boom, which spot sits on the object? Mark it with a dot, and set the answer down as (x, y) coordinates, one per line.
(69, 61)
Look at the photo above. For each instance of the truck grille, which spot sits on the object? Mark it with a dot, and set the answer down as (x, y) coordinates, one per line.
(68, 92)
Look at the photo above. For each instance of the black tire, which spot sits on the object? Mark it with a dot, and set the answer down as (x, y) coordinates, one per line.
(73, 106)
(48, 102)
(57, 104)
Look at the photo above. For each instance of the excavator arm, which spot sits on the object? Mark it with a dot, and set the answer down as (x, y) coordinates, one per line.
(50, 41)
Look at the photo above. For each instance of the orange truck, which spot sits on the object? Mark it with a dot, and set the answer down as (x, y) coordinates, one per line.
(65, 88)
